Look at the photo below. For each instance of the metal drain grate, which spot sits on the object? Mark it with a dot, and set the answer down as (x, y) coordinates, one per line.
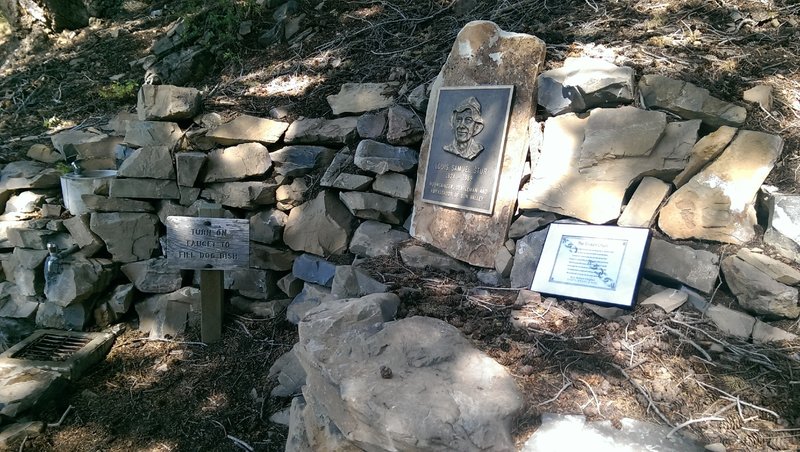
(52, 347)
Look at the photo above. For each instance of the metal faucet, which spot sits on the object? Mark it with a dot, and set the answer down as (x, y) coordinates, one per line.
(76, 168)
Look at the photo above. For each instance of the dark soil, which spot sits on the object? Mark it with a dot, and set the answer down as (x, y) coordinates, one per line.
(184, 396)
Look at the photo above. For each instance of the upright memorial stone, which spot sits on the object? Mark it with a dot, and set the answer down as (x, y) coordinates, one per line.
(464, 203)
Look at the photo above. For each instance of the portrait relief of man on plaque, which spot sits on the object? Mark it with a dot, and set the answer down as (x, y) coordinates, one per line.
(467, 144)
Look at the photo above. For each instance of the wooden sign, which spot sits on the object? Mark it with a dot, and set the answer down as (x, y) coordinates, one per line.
(208, 243)
(466, 150)
(599, 264)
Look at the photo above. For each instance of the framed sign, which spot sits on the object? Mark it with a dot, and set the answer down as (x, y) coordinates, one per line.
(208, 243)
(598, 264)
(467, 143)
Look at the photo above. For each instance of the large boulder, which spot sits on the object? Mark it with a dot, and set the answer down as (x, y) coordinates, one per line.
(411, 384)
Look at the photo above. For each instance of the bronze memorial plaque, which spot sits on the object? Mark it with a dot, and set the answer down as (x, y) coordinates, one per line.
(467, 143)
(208, 243)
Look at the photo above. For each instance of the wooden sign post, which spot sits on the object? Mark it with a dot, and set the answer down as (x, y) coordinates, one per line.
(210, 245)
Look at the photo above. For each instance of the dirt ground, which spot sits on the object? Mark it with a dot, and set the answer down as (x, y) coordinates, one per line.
(675, 369)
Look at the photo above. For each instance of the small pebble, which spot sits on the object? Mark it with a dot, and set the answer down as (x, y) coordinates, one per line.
(526, 370)
(386, 372)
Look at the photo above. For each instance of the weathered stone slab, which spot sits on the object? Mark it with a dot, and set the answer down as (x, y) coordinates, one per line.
(323, 131)
(395, 185)
(322, 226)
(267, 226)
(78, 227)
(29, 238)
(309, 298)
(372, 206)
(704, 151)
(717, 204)
(775, 269)
(153, 162)
(167, 103)
(143, 189)
(483, 54)
(247, 129)
(244, 195)
(23, 388)
(166, 315)
(26, 175)
(373, 239)
(419, 257)
(643, 206)
(783, 231)
(271, 258)
(765, 333)
(731, 322)
(353, 282)
(252, 283)
(362, 97)
(526, 258)
(128, 236)
(668, 299)
(405, 127)
(296, 161)
(291, 195)
(78, 280)
(153, 276)
(589, 182)
(528, 222)
(43, 153)
(152, 133)
(695, 268)
(188, 166)
(237, 163)
(314, 270)
(689, 101)
(757, 292)
(381, 157)
(373, 125)
(97, 203)
(761, 95)
(584, 83)
(290, 285)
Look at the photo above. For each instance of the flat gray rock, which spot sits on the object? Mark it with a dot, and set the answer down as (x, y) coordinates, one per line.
(322, 226)
(526, 258)
(689, 101)
(153, 276)
(143, 189)
(188, 166)
(352, 282)
(783, 231)
(381, 158)
(314, 269)
(416, 256)
(373, 239)
(372, 206)
(152, 133)
(244, 195)
(267, 226)
(296, 161)
(584, 83)
(323, 131)
(405, 127)
(154, 162)
(362, 97)
(757, 292)
(695, 268)
(395, 185)
(248, 129)
(237, 163)
(271, 257)
(717, 203)
(167, 103)
(128, 236)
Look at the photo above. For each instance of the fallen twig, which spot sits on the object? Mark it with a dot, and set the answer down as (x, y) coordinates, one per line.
(239, 443)
(558, 394)
(688, 341)
(693, 421)
(58, 424)
(644, 393)
(736, 399)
